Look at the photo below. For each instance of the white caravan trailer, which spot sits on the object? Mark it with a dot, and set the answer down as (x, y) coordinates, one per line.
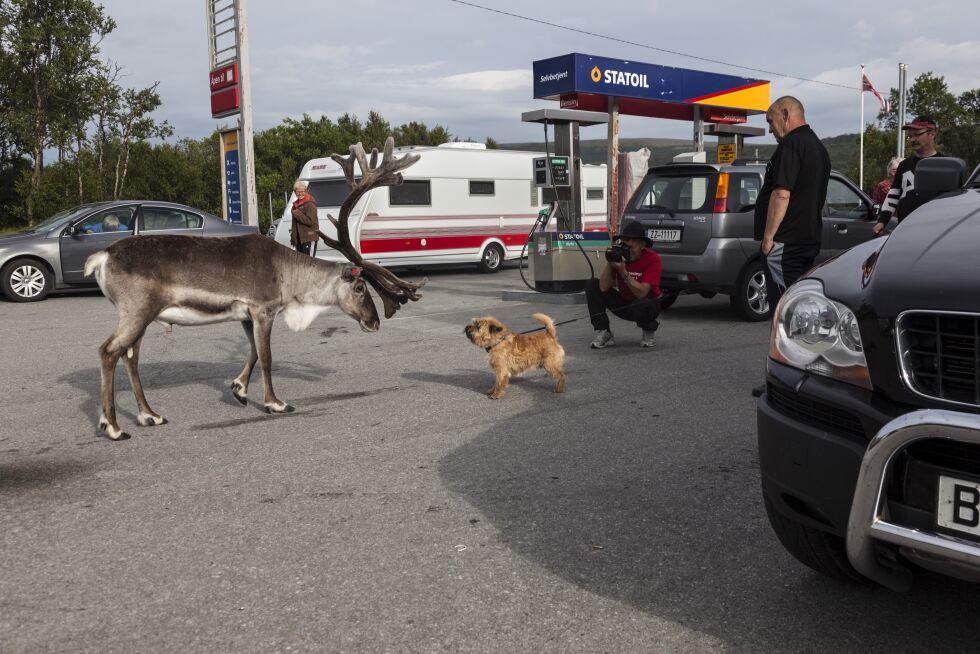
(459, 203)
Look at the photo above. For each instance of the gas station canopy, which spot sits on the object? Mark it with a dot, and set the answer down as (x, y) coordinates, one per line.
(585, 82)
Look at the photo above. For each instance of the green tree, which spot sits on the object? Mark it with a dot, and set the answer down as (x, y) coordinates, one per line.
(48, 54)
(492, 144)
(958, 118)
(132, 123)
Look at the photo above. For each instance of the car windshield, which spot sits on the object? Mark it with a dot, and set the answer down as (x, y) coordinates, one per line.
(683, 193)
(62, 217)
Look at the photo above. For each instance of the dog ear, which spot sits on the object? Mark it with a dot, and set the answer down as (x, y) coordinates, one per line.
(493, 329)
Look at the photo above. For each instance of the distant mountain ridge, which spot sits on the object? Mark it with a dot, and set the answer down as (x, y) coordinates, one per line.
(842, 149)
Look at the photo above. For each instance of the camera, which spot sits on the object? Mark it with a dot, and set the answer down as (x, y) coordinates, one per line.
(617, 253)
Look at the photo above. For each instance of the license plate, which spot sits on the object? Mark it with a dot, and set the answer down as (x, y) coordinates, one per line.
(959, 505)
(664, 235)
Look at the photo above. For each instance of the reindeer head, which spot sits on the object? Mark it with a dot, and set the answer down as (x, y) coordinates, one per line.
(356, 301)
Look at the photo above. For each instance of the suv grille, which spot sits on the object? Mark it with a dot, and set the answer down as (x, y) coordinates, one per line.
(940, 355)
(829, 417)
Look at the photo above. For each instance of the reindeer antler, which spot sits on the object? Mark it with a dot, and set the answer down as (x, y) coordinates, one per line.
(394, 291)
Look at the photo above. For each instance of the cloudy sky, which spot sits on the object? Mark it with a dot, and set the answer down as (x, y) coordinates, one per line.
(441, 62)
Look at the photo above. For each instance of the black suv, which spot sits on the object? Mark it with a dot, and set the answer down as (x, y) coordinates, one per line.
(700, 218)
(869, 433)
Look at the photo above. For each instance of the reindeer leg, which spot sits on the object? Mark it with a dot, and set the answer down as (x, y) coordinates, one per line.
(263, 335)
(147, 416)
(126, 334)
(239, 385)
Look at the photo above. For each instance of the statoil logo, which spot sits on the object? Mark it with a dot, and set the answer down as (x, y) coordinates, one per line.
(619, 77)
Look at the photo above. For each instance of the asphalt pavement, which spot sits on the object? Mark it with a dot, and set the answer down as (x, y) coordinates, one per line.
(401, 510)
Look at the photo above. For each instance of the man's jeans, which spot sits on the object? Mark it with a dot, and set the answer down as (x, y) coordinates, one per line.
(643, 312)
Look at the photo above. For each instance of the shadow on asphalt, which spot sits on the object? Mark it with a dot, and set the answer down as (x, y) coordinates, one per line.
(677, 529)
(175, 374)
(38, 474)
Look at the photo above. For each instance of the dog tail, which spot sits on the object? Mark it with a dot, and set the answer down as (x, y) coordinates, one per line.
(549, 324)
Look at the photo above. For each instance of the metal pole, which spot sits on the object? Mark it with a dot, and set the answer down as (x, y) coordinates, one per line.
(861, 153)
(271, 217)
(250, 204)
(698, 129)
(612, 170)
(900, 150)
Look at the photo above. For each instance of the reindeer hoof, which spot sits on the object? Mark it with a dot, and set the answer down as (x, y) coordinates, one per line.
(279, 407)
(239, 393)
(150, 420)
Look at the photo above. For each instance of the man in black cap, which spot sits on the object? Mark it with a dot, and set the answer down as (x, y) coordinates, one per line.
(902, 198)
(628, 286)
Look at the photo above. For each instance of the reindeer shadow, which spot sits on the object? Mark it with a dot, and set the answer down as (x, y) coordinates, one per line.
(28, 475)
(174, 374)
(482, 381)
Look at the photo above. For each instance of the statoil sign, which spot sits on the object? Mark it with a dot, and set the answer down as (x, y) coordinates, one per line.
(573, 77)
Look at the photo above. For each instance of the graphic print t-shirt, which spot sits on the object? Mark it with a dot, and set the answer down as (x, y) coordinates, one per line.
(902, 198)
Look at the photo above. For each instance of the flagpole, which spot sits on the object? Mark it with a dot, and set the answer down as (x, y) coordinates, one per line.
(861, 153)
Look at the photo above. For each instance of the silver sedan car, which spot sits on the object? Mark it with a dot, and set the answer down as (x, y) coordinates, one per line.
(51, 255)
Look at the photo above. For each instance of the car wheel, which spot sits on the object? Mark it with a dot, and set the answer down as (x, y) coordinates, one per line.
(667, 298)
(823, 552)
(26, 280)
(492, 258)
(750, 301)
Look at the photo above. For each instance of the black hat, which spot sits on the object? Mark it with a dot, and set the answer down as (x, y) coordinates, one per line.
(635, 230)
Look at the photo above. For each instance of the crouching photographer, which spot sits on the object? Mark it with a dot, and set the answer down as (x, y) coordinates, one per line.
(629, 287)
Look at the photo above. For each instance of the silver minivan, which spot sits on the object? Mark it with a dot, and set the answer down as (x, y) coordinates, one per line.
(700, 218)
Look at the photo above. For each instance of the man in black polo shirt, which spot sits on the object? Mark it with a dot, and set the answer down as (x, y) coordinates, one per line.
(790, 204)
(902, 198)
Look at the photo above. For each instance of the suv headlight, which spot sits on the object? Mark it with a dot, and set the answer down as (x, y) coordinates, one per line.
(819, 335)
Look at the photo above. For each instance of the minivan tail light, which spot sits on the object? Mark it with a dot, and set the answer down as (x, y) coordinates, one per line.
(721, 194)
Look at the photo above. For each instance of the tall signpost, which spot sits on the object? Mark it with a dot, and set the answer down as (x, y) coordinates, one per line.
(230, 95)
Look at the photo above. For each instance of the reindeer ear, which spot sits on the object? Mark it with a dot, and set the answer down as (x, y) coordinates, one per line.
(350, 273)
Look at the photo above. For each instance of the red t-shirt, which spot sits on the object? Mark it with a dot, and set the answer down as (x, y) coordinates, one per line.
(646, 269)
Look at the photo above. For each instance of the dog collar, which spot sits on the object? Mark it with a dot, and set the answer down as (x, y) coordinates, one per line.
(490, 347)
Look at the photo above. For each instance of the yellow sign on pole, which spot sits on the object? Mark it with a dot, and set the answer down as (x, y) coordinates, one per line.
(726, 153)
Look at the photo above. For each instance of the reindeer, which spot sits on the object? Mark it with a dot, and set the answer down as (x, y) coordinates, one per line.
(192, 280)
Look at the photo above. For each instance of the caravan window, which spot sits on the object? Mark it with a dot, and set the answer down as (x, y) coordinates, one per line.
(410, 192)
(481, 188)
(329, 192)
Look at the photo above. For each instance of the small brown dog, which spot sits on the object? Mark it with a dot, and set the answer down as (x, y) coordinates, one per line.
(511, 354)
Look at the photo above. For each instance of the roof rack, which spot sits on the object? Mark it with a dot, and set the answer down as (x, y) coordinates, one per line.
(745, 161)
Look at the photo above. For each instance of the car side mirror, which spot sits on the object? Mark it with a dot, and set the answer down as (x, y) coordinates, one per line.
(70, 230)
(875, 211)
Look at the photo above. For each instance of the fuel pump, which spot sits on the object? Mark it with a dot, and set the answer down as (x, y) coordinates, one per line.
(561, 256)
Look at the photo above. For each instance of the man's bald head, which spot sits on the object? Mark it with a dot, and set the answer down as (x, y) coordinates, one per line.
(785, 115)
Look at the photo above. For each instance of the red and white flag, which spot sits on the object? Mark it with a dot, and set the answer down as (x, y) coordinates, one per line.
(866, 85)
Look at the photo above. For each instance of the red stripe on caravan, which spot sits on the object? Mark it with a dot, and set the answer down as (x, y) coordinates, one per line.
(383, 245)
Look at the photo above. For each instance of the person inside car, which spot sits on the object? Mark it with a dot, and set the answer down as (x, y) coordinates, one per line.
(629, 286)
(110, 223)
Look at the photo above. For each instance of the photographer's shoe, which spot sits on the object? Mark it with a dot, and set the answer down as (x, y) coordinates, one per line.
(647, 339)
(603, 338)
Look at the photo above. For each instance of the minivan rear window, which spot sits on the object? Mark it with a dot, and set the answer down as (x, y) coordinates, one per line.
(685, 193)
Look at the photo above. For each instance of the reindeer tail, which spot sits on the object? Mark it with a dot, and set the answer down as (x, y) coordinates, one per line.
(549, 324)
(95, 265)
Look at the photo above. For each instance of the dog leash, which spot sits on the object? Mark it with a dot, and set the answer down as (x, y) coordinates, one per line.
(563, 322)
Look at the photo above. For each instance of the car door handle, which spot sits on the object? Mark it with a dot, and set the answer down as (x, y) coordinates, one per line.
(841, 229)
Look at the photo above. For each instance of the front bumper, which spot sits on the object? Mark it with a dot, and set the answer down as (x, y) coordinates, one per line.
(870, 519)
(843, 460)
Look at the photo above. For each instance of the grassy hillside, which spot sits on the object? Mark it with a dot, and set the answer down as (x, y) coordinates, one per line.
(842, 149)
